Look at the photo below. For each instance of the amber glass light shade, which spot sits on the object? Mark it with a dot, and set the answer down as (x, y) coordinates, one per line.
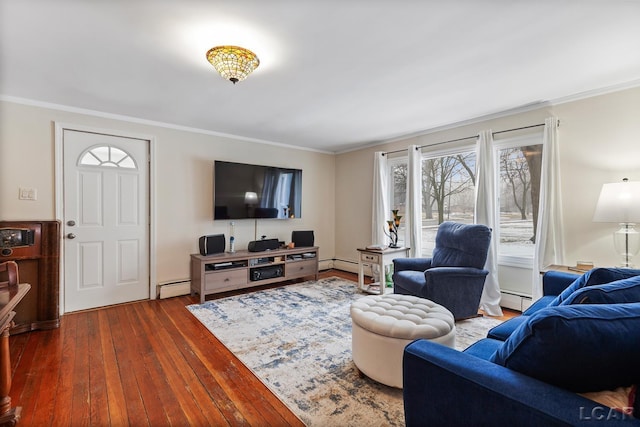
(234, 63)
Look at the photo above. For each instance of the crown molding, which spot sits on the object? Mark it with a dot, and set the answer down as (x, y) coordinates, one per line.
(504, 113)
(444, 127)
(137, 120)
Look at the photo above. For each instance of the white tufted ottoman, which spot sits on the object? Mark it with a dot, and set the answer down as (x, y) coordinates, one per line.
(384, 324)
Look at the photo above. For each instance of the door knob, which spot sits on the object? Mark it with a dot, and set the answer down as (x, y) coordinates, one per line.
(71, 236)
(71, 223)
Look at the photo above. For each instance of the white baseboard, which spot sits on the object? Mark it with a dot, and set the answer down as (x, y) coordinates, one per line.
(345, 266)
(514, 301)
(325, 265)
(174, 289)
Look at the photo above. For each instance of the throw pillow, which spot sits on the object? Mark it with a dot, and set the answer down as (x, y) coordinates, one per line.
(620, 291)
(581, 348)
(596, 276)
(622, 399)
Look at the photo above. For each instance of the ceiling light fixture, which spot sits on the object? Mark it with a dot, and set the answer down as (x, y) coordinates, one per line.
(232, 62)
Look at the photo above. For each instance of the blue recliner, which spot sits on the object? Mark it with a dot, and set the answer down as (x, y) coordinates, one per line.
(454, 276)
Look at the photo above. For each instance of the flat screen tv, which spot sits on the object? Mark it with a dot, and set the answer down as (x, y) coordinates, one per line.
(253, 191)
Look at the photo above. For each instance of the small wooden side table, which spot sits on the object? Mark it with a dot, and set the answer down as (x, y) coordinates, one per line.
(381, 258)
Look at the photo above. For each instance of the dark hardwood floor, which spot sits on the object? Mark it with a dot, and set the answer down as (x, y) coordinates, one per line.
(145, 363)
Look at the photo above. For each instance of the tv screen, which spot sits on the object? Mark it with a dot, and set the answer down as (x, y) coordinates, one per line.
(253, 191)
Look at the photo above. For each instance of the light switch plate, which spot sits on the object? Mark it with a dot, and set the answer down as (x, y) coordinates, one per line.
(27, 193)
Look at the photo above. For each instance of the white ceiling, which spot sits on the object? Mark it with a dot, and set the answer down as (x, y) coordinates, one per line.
(334, 74)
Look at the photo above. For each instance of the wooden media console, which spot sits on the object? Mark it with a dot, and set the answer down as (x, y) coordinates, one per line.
(243, 269)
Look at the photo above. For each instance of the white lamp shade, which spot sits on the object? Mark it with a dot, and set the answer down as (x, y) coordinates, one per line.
(250, 198)
(619, 202)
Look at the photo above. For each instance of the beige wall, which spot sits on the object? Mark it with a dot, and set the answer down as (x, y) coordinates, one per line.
(184, 168)
(599, 143)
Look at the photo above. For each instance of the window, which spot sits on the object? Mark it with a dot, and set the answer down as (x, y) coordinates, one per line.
(108, 156)
(448, 191)
(519, 167)
(448, 194)
(398, 193)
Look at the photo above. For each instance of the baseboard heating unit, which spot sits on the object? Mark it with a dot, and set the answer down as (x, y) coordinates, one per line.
(515, 301)
(173, 288)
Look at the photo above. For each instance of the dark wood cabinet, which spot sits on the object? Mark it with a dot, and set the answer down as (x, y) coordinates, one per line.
(38, 259)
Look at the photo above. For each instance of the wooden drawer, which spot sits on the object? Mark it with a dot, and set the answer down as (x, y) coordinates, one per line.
(300, 269)
(372, 258)
(225, 279)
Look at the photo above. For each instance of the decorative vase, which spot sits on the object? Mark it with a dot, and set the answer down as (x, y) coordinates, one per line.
(393, 225)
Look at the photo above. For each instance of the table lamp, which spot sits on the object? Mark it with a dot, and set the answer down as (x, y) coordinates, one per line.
(620, 202)
(250, 198)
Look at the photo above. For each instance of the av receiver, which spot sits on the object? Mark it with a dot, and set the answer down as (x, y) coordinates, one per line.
(266, 272)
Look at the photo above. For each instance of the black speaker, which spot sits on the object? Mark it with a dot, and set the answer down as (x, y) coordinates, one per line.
(263, 245)
(302, 238)
(212, 244)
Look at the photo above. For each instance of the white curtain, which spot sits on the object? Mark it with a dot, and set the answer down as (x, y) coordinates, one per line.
(413, 224)
(486, 213)
(549, 247)
(380, 211)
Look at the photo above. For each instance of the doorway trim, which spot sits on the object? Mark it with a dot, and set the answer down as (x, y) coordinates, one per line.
(60, 127)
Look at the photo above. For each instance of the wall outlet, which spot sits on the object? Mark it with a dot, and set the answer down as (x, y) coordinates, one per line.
(27, 194)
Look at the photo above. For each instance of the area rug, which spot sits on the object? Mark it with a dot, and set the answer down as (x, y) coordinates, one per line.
(297, 340)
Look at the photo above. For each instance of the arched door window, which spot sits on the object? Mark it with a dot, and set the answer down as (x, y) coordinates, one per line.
(108, 156)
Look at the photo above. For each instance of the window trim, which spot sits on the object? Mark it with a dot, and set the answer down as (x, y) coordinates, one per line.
(461, 149)
(107, 163)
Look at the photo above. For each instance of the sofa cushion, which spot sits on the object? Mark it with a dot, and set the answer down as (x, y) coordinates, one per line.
(620, 291)
(409, 281)
(582, 348)
(596, 276)
(506, 328)
(541, 303)
(484, 348)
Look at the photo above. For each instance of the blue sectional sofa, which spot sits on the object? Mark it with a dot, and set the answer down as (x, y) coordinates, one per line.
(588, 342)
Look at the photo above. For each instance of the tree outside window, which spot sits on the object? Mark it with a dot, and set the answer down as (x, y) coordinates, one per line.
(448, 193)
(520, 169)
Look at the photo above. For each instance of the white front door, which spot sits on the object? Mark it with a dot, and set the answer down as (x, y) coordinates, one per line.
(106, 219)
